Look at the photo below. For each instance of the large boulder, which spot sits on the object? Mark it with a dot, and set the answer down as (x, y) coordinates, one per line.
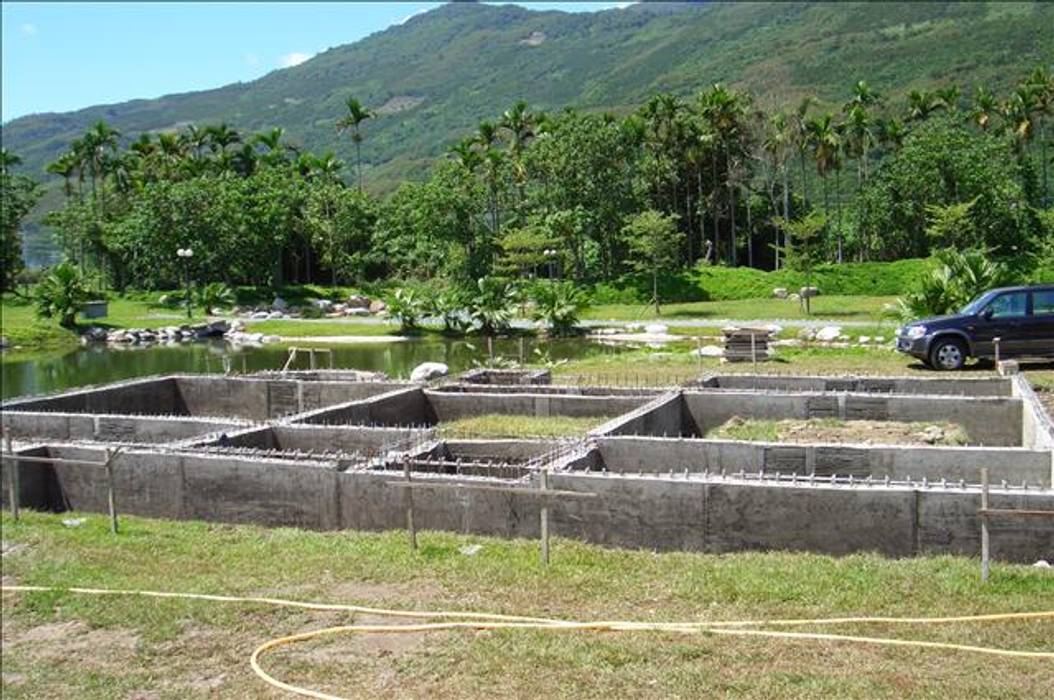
(377, 306)
(279, 304)
(656, 329)
(358, 301)
(828, 334)
(323, 305)
(429, 370)
(780, 292)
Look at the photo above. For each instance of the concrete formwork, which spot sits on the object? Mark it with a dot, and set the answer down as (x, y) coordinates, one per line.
(930, 386)
(363, 433)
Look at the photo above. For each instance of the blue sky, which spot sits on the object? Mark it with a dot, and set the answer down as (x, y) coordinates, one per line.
(63, 56)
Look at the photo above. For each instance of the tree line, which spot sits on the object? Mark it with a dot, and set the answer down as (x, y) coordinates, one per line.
(678, 182)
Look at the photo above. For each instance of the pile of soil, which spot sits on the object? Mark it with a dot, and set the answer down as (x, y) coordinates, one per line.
(865, 432)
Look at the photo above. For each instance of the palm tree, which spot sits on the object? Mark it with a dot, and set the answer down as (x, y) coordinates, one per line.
(778, 144)
(826, 145)
(920, 105)
(66, 167)
(985, 108)
(220, 136)
(947, 98)
(466, 154)
(272, 141)
(800, 139)
(356, 115)
(1041, 82)
(8, 160)
(520, 124)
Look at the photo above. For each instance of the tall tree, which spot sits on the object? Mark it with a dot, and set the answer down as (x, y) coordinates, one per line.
(352, 122)
(655, 241)
(18, 195)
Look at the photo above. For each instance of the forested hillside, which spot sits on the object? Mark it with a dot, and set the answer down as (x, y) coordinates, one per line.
(433, 78)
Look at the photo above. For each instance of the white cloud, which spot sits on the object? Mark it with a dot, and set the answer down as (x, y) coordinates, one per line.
(29, 29)
(293, 59)
(252, 59)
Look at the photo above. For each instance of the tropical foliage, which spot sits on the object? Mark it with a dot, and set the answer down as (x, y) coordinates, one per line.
(61, 293)
(18, 194)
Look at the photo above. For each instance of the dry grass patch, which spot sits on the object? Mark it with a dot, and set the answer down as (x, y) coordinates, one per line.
(826, 430)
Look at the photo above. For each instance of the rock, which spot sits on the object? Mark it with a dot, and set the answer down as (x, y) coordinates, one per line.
(709, 351)
(808, 292)
(807, 334)
(237, 325)
(279, 304)
(377, 306)
(322, 304)
(356, 311)
(773, 328)
(271, 338)
(932, 434)
(358, 301)
(259, 315)
(94, 335)
(656, 329)
(828, 333)
(255, 337)
(780, 292)
(634, 327)
(864, 339)
(880, 339)
(275, 314)
(1042, 564)
(429, 370)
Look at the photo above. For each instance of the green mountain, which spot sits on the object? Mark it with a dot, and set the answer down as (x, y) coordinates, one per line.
(434, 77)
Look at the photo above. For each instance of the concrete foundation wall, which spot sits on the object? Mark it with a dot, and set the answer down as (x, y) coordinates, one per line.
(657, 455)
(452, 406)
(151, 396)
(1037, 428)
(111, 428)
(663, 415)
(403, 406)
(934, 386)
(324, 438)
(987, 421)
(649, 512)
(262, 399)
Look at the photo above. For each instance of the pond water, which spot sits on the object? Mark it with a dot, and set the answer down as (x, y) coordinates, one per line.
(38, 373)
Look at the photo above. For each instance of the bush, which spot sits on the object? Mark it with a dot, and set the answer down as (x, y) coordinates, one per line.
(450, 305)
(494, 305)
(559, 305)
(214, 295)
(958, 278)
(406, 307)
(61, 293)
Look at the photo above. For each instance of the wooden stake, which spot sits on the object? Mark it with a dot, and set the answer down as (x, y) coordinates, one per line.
(110, 499)
(14, 479)
(543, 485)
(410, 506)
(984, 524)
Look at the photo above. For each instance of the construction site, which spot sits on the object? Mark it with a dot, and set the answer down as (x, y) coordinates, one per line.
(336, 449)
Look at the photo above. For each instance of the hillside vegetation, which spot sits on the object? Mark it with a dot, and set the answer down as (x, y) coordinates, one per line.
(434, 77)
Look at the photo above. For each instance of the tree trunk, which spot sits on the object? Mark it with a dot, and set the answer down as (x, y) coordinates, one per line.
(750, 235)
(838, 194)
(732, 228)
(655, 290)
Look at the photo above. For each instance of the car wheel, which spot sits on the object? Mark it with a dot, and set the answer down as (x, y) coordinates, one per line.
(948, 354)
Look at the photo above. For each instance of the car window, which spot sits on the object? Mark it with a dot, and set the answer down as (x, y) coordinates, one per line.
(1009, 305)
(1043, 302)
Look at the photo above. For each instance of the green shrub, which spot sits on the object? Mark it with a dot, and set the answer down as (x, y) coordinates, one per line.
(493, 305)
(559, 305)
(214, 295)
(406, 307)
(61, 293)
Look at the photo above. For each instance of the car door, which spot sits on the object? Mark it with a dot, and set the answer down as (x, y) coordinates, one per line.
(1006, 318)
(1041, 323)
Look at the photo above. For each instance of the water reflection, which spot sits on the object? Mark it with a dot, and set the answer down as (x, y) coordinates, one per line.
(38, 373)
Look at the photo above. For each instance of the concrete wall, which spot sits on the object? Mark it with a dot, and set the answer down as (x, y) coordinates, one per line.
(112, 428)
(323, 438)
(652, 455)
(1037, 429)
(262, 399)
(452, 406)
(725, 517)
(400, 407)
(934, 386)
(987, 421)
(650, 512)
(151, 396)
(664, 415)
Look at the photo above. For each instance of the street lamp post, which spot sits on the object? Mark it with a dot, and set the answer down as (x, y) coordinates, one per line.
(186, 254)
(550, 256)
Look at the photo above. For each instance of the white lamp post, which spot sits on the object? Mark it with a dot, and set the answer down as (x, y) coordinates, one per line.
(186, 254)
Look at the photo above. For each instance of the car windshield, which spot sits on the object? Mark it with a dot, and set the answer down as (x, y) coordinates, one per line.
(976, 305)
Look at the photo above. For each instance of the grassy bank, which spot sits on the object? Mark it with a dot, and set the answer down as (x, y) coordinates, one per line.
(64, 646)
(834, 308)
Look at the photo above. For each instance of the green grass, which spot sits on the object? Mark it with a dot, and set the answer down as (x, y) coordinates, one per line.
(835, 430)
(60, 645)
(330, 327)
(834, 308)
(505, 426)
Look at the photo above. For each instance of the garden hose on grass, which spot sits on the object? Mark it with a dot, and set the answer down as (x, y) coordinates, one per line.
(454, 620)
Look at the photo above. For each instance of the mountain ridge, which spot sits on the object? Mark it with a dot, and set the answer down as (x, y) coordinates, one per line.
(442, 71)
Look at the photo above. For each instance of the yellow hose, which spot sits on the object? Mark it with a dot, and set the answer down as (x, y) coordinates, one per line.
(491, 621)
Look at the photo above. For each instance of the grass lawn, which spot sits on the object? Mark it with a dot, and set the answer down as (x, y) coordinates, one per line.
(59, 645)
(838, 308)
(505, 426)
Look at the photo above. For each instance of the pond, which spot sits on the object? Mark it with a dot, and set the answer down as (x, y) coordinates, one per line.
(38, 373)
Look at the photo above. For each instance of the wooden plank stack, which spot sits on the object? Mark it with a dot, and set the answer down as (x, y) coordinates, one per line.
(739, 348)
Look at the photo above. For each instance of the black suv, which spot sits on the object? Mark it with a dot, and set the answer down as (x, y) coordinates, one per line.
(1022, 318)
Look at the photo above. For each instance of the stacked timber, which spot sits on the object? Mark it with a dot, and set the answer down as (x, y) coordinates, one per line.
(744, 344)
